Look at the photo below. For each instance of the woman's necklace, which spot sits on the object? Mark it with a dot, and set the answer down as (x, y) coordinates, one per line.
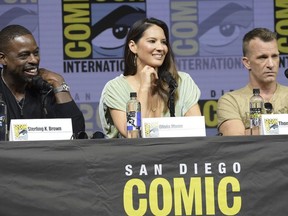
(21, 102)
(154, 104)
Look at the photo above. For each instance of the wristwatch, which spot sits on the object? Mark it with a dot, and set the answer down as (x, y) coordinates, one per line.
(63, 88)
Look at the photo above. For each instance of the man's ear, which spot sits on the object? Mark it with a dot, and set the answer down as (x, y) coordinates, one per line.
(246, 63)
(132, 46)
(2, 58)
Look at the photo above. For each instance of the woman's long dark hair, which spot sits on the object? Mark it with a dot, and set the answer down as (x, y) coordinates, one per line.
(135, 33)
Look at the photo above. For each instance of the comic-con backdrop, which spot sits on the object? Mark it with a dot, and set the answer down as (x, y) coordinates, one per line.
(83, 40)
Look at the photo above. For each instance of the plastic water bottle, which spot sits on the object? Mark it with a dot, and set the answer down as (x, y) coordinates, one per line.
(256, 110)
(133, 114)
(3, 120)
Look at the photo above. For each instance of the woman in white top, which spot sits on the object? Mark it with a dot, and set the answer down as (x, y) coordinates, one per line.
(147, 56)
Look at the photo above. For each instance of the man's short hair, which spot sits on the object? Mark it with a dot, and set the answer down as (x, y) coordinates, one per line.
(9, 33)
(263, 34)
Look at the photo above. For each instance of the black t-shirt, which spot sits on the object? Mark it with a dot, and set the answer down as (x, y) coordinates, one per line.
(37, 104)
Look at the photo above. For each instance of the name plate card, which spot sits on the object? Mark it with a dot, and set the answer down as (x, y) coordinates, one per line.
(192, 126)
(40, 129)
(274, 124)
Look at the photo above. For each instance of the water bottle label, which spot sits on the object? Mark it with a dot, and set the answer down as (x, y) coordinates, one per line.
(256, 110)
(138, 114)
(256, 122)
(2, 121)
(133, 120)
(255, 117)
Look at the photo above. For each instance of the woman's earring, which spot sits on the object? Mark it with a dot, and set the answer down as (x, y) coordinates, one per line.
(135, 60)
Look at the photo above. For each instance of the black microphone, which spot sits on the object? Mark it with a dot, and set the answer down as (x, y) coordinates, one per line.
(286, 73)
(168, 78)
(41, 84)
(268, 107)
(98, 135)
(81, 135)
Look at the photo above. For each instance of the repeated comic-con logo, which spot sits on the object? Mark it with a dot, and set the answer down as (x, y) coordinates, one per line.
(209, 29)
(25, 14)
(281, 24)
(94, 32)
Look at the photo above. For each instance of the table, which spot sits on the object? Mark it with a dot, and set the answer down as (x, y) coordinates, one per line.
(162, 176)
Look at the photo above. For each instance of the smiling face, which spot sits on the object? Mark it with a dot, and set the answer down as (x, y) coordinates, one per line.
(262, 60)
(151, 48)
(21, 57)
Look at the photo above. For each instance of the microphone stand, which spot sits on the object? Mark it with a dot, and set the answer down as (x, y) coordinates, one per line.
(168, 78)
(45, 88)
(171, 101)
(44, 94)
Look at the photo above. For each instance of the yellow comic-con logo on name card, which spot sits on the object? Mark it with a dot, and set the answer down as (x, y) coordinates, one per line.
(151, 129)
(21, 131)
(271, 126)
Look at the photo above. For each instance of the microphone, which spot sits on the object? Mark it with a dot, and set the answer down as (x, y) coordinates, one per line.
(268, 107)
(98, 135)
(286, 73)
(41, 84)
(168, 78)
(84, 135)
(81, 135)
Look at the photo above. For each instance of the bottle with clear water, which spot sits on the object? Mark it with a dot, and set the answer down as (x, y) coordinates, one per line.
(3, 120)
(133, 114)
(256, 109)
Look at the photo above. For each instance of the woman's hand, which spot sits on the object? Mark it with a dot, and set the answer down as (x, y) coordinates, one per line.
(148, 77)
